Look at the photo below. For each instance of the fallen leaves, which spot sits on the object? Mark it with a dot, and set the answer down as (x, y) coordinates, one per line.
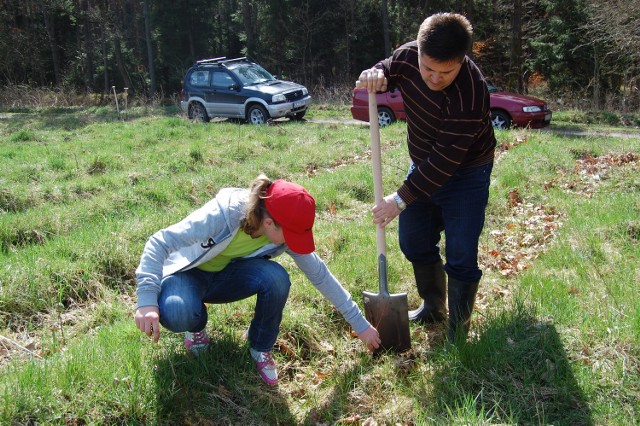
(589, 172)
(531, 227)
(506, 146)
(524, 237)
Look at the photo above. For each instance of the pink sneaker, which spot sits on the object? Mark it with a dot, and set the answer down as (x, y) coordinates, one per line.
(197, 343)
(266, 366)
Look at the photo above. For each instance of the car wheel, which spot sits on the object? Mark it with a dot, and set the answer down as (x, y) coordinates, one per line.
(500, 120)
(385, 116)
(198, 113)
(257, 114)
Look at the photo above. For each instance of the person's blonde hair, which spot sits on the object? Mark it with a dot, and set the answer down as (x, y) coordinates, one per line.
(256, 210)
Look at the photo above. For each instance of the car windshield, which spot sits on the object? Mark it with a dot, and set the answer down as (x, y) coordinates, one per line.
(252, 74)
(492, 88)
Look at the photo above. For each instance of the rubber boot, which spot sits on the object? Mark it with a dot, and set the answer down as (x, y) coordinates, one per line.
(432, 288)
(462, 296)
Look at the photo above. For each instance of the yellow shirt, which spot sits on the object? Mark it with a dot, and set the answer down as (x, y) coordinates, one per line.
(241, 245)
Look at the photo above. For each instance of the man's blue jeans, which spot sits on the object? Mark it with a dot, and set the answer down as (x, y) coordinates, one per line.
(458, 209)
(184, 294)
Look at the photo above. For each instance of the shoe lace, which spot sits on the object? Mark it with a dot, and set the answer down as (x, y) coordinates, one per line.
(199, 337)
(266, 358)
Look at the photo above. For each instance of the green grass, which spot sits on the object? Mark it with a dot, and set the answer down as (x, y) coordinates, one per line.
(556, 329)
(604, 118)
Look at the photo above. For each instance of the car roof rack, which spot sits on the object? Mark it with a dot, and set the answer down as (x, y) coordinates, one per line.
(204, 61)
(221, 59)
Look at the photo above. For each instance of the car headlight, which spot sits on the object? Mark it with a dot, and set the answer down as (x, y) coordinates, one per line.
(531, 109)
(278, 98)
(305, 92)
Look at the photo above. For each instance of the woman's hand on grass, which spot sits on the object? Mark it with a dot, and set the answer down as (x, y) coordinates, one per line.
(148, 321)
(370, 338)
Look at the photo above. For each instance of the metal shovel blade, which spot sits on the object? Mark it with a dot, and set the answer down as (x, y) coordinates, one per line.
(388, 314)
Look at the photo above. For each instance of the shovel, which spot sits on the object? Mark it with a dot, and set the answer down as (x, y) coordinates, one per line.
(388, 313)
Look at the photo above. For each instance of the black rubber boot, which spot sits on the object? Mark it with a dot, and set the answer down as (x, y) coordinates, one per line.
(462, 296)
(432, 288)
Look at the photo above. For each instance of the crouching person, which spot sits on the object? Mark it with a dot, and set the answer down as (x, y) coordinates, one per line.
(223, 253)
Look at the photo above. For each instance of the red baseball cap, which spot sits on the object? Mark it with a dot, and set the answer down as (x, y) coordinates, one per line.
(294, 209)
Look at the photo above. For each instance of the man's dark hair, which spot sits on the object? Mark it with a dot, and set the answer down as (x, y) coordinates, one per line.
(445, 37)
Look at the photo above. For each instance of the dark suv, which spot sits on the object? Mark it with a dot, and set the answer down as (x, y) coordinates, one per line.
(239, 88)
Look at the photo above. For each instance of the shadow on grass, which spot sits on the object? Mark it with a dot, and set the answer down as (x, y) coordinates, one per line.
(518, 371)
(219, 387)
(334, 406)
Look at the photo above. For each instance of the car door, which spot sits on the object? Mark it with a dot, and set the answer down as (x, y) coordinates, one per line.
(200, 86)
(227, 101)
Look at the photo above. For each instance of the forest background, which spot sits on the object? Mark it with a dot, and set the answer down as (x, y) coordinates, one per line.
(576, 53)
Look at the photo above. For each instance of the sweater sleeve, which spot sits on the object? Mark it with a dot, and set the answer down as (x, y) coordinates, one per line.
(191, 231)
(323, 280)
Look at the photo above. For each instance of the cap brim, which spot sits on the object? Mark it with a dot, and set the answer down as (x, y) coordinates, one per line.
(299, 243)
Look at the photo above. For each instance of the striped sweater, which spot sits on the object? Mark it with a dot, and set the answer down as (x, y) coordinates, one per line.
(447, 129)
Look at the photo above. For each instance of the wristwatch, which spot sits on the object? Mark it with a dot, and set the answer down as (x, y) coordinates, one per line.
(399, 201)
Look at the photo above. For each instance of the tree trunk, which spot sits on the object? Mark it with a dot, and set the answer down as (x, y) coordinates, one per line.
(385, 28)
(468, 11)
(49, 24)
(249, 28)
(117, 50)
(147, 34)
(87, 46)
(105, 63)
(516, 43)
(596, 79)
(190, 27)
(349, 19)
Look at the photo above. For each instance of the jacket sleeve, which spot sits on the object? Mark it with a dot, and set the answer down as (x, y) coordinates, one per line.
(189, 232)
(320, 276)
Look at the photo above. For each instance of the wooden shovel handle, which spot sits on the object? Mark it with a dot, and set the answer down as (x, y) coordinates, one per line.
(378, 193)
(376, 161)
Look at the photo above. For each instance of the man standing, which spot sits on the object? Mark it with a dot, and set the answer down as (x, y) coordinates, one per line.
(451, 146)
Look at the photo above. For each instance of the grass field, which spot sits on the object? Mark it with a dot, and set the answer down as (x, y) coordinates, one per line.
(555, 337)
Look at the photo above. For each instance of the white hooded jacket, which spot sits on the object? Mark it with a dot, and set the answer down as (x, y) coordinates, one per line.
(206, 232)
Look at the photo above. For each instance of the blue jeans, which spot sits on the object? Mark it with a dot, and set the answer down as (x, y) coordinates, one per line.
(458, 209)
(183, 296)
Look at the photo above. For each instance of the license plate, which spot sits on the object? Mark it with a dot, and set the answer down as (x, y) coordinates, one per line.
(298, 104)
(547, 117)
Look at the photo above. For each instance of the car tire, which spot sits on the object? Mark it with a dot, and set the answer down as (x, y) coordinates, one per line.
(500, 120)
(198, 113)
(257, 114)
(385, 116)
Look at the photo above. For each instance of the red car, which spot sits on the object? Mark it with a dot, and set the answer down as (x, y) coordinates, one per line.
(507, 109)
